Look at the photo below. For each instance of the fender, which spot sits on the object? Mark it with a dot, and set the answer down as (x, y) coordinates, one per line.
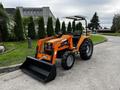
(81, 40)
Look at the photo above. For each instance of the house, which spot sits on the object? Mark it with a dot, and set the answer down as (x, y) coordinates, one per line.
(35, 12)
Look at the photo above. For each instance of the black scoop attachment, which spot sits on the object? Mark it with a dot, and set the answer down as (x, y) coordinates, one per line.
(39, 69)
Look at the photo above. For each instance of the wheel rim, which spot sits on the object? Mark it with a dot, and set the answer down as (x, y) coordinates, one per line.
(70, 60)
(88, 49)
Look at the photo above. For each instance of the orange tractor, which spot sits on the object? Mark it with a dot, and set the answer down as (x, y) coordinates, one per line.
(64, 47)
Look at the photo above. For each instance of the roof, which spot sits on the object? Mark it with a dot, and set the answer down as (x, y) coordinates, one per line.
(76, 17)
(10, 10)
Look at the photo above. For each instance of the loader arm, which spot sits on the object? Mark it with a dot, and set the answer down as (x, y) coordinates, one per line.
(64, 43)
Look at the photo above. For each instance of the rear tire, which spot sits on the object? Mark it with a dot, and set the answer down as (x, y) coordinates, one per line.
(68, 60)
(86, 49)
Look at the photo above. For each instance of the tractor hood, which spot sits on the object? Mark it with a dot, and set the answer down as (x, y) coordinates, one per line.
(61, 39)
(54, 40)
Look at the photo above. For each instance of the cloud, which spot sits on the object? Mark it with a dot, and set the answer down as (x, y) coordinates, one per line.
(60, 8)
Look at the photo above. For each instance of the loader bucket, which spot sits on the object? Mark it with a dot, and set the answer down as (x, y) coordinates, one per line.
(39, 69)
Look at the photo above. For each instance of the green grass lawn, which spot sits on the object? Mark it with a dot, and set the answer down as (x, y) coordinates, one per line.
(97, 39)
(111, 34)
(17, 55)
(20, 51)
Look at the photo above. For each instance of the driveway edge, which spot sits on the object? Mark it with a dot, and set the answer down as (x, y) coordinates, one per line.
(9, 68)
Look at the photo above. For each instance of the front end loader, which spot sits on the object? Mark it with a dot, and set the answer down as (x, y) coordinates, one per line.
(42, 66)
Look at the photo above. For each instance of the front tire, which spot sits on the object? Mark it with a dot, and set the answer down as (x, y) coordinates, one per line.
(86, 49)
(68, 60)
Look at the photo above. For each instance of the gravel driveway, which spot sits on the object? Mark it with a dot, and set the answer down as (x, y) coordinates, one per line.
(102, 72)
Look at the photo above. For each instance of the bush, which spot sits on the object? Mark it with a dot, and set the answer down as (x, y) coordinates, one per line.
(41, 28)
(26, 21)
(69, 28)
(50, 30)
(63, 28)
(111, 31)
(18, 28)
(4, 30)
(116, 23)
(57, 26)
(4, 34)
(79, 27)
(73, 26)
(31, 28)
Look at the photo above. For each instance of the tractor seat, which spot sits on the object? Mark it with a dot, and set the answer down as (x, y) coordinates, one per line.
(75, 39)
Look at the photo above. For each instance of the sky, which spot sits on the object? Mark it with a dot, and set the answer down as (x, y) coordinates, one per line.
(105, 9)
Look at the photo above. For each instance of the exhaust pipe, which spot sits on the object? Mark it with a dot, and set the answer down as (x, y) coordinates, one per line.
(39, 69)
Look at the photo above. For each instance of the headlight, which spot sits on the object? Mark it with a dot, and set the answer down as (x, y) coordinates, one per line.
(48, 46)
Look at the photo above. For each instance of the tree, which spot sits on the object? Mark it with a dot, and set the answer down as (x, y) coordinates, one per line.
(89, 26)
(116, 23)
(1, 6)
(41, 28)
(4, 33)
(63, 28)
(57, 26)
(31, 28)
(3, 13)
(26, 21)
(69, 28)
(73, 26)
(79, 27)
(18, 28)
(50, 30)
(95, 22)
